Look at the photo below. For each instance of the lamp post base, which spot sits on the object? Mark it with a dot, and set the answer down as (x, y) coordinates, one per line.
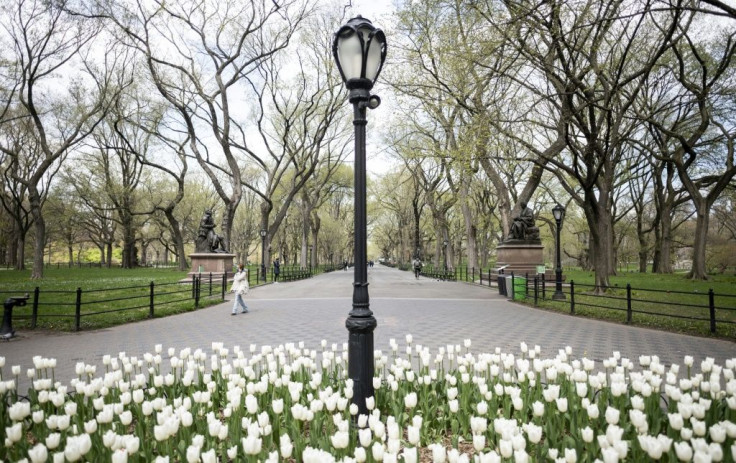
(360, 359)
(558, 296)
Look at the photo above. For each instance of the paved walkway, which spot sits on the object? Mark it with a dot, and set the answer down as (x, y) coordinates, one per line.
(435, 313)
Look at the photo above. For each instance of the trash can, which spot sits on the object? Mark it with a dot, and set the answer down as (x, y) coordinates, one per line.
(519, 289)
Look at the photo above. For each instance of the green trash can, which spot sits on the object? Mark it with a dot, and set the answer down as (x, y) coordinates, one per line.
(519, 288)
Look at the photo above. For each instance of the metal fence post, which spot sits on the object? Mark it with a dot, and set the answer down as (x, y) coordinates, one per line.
(224, 283)
(544, 287)
(210, 292)
(512, 287)
(34, 314)
(536, 289)
(572, 297)
(712, 307)
(197, 282)
(474, 277)
(628, 303)
(78, 310)
(150, 302)
(194, 286)
(526, 285)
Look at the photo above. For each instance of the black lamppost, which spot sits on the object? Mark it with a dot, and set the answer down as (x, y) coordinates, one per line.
(559, 213)
(311, 247)
(444, 252)
(263, 233)
(360, 50)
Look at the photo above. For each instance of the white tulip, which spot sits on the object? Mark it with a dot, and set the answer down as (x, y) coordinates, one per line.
(52, 440)
(506, 448)
(612, 415)
(410, 400)
(479, 442)
(14, 433)
(683, 451)
(439, 454)
(538, 409)
(454, 405)
(38, 453)
(377, 451)
(19, 411)
(587, 434)
(193, 454)
(717, 433)
(562, 404)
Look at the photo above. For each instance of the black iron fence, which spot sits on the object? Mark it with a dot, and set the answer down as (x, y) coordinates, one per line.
(78, 304)
(70, 307)
(706, 308)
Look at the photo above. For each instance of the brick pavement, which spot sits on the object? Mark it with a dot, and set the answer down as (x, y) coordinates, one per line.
(435, 313)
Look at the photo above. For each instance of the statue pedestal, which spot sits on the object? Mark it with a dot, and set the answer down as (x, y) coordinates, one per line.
(216, 263)
(520, 257)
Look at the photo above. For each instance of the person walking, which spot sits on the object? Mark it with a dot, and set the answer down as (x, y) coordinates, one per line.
(240, 288)
(417, 267)
(276, 270)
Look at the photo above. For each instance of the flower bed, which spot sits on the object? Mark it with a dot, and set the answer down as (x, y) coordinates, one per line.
(293, 403)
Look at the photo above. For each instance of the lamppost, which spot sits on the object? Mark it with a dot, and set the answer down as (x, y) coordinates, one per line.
(360, 50)
(263, 233)
(444, 253)
(559, 213)
(311, 247)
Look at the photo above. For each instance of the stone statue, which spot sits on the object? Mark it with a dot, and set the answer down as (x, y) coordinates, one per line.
(523, 229)
(207, 240)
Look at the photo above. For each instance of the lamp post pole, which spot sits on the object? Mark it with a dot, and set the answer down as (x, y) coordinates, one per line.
(360, 50)
(559, 213)
(444, 254)
(311, 247)
(263, 233)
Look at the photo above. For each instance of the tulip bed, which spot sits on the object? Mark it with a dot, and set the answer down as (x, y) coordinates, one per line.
(292, 403)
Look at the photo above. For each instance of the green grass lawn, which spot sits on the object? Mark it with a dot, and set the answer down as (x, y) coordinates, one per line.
(109, 296)
(669, 302)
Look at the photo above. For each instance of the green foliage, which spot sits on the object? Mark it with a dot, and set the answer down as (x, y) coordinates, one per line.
(103, 290)
(658, 301)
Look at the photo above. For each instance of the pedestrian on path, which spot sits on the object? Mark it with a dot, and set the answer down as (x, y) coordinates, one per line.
(240, 288)
(276, 270)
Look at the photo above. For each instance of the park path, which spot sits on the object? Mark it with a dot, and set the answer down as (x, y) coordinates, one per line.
(435, 313)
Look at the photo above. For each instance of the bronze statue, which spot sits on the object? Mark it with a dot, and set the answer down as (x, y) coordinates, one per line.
(523, 229)
(207, 240)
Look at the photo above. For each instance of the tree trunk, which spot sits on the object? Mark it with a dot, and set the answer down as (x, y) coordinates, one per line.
(20, 253)
(128, 241)
(698, 270)
(316, 225)
(470, 229)
(109, 254)
(40, 227)
(175, 229)
(601, 245)
(665, 247)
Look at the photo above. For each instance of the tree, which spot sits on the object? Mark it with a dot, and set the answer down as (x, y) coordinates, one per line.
(696, 129)
(43, 42)
(199, 56)
(595, 57)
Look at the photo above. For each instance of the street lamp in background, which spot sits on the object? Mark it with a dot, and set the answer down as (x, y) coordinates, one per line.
(444, 252)
(559, 213)
(311, 247)
(360, 50)
(263, 233)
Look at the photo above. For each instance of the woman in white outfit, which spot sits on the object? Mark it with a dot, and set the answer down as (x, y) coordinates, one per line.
(240, 288)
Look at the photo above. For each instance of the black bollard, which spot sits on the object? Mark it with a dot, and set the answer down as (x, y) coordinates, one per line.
(7, 331)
